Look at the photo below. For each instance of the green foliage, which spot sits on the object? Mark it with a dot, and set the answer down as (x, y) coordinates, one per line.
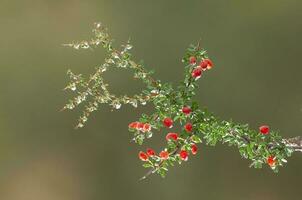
(168, 102)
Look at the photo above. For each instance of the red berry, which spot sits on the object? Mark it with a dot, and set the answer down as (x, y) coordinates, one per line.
(150, 152)
(186, 110)
(172, 136)
(203, 64)
(210, 63)
(192, 60)
(188, 127)
(196, 73)
(168, 122)
(183, 154)
(143, 156)
(140, 126)
(133, 125)
(206, 64)
(194, 149)
(271, 161)
(264, 129)
(146, 128)
(164, 155)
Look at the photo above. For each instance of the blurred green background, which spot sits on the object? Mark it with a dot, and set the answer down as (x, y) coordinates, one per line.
(256, 47)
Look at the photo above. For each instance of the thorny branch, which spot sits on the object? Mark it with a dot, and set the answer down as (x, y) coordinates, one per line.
(169, 103)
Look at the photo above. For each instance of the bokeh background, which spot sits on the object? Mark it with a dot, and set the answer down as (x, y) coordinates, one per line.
(256, 46)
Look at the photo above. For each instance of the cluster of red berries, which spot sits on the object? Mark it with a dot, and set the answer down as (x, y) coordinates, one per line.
(164, 155)
(271, 160)
(144, 127)
(184, 155)
(145, 156)
(203, 65)
(188, 127)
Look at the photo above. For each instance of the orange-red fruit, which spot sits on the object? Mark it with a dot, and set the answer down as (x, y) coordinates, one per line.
(146, 127)
(192, 60)
(264, 129)
(188, 127)
(172, 136)
(271, 161)
(140, 126)
(183, 154)
(186, 110)
(143, 156)
(206, 64)
(210, 63)
(194, 149)
(133, 125)
(196, 73)
(168, 122)
(150, 152)
(164, 155)
(203, 64)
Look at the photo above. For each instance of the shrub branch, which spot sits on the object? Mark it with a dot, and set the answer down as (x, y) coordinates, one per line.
(172, 106)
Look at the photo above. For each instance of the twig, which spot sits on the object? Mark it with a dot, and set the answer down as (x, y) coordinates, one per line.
(160, 164)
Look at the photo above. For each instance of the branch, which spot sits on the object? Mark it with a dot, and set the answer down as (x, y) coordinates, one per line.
(152, 171)
(173, 105)
(294, 143)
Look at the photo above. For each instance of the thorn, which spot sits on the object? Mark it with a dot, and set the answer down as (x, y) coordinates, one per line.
(67, 45)
(62, 109)
(198, 44)
(147, 174)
